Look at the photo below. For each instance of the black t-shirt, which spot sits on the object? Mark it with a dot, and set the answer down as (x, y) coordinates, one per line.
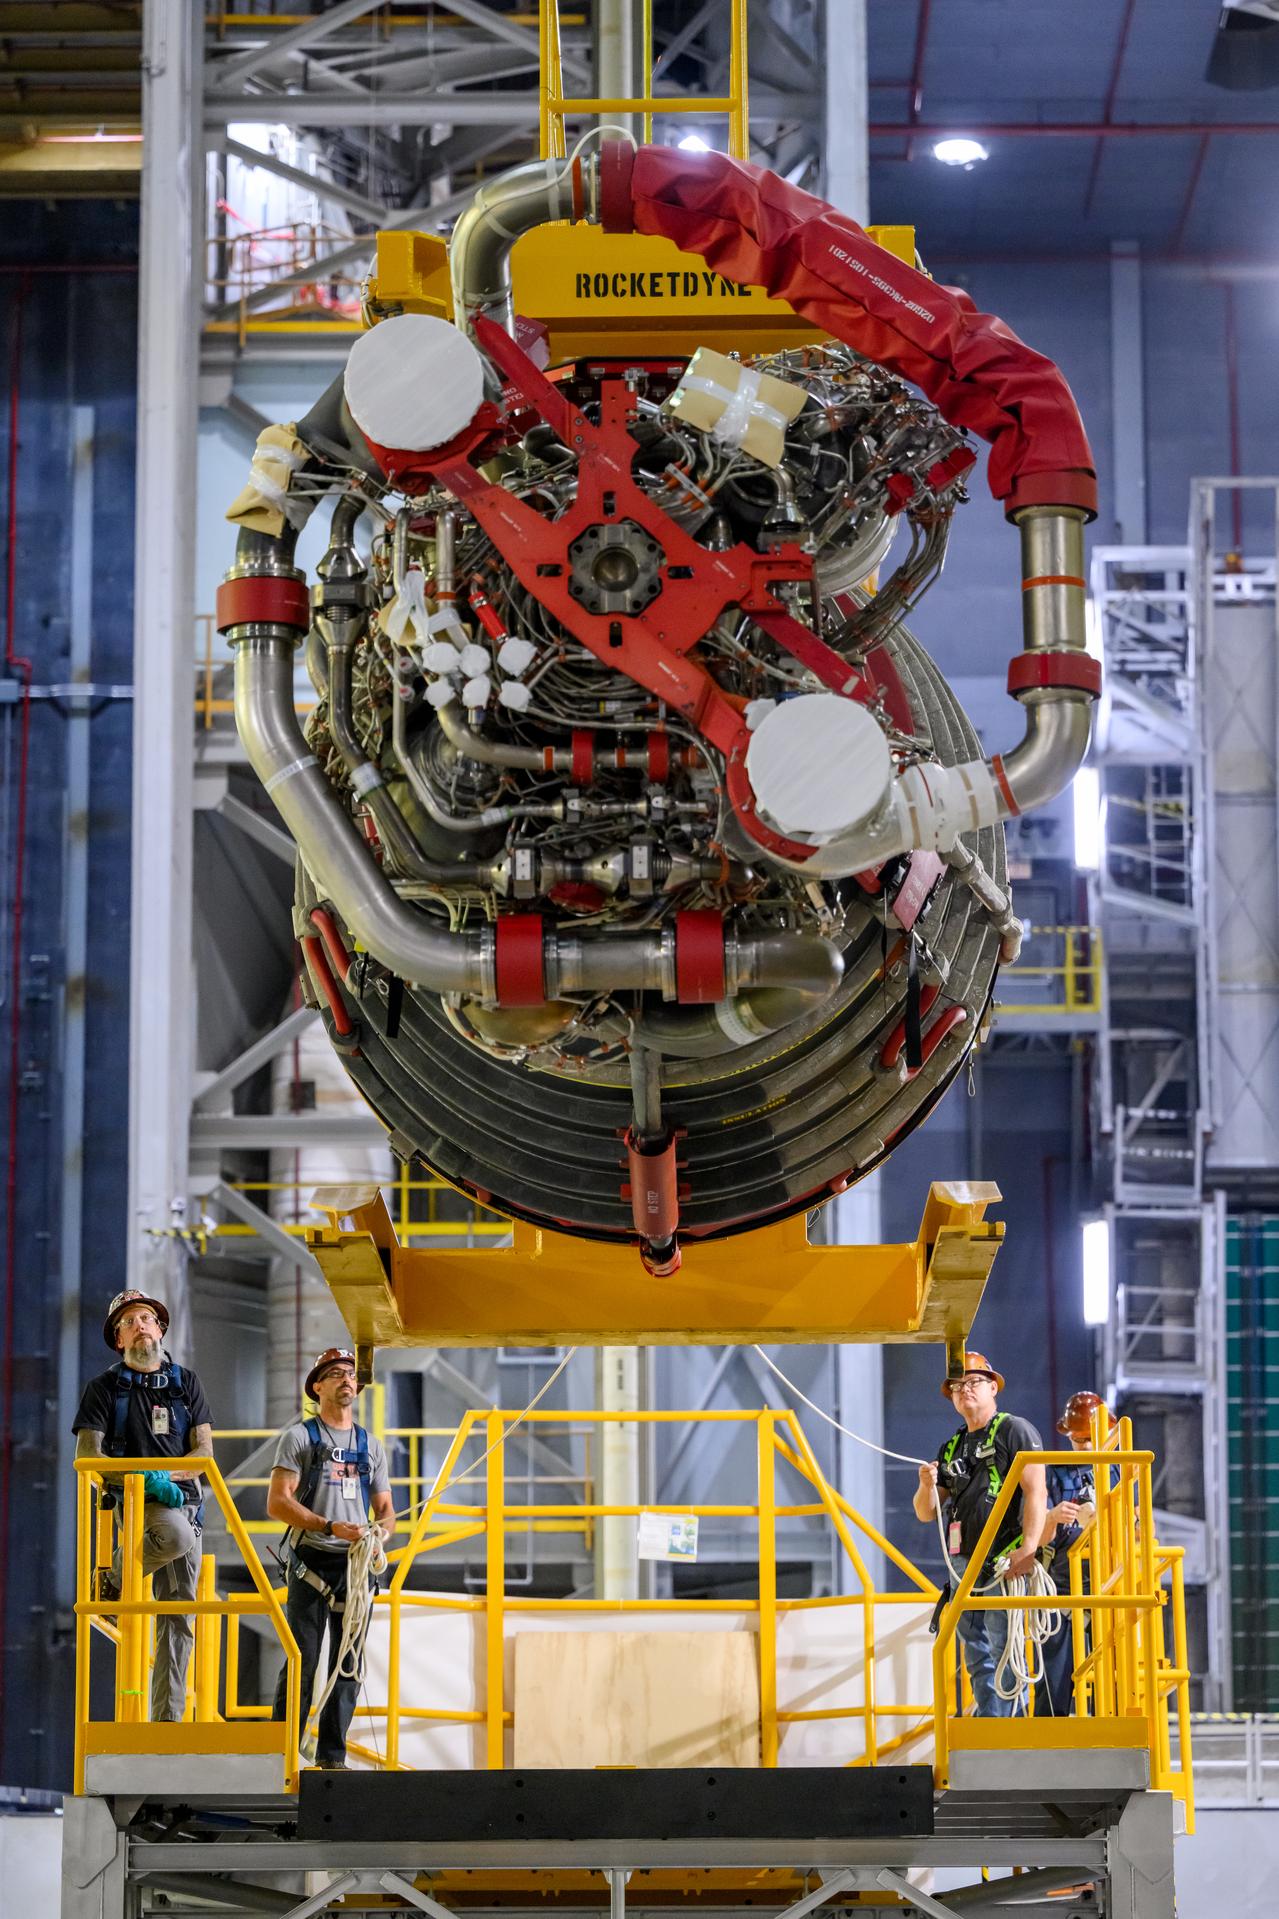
(964, 1476)
(96, 1413)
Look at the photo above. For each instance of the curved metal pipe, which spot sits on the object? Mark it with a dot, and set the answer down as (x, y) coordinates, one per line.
(525, 197)
(404, 940)
(707, 1032)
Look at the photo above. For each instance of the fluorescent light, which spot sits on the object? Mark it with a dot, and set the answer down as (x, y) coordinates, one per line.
(694, 143)
(1095, 1243)
(1086, 795)
(959, 151)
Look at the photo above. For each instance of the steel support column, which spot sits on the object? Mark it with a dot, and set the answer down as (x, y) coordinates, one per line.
(160, 929)
(846, 155)
(616, 1540)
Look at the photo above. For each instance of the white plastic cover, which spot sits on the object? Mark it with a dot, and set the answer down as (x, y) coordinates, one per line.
(515, 655)
(475, 660)
(819, 764)
(476, 692)
(515, 694)
(413, 382)
(441, 657)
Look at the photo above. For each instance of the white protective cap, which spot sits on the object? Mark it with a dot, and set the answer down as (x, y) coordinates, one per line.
(476, 692)
(475, 660)
(819, 765)
(413, 382)
(441, 657)
(515, 694)
(440, 692)
(515, 655)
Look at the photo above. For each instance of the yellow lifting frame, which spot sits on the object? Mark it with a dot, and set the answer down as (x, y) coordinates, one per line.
(546, 1288)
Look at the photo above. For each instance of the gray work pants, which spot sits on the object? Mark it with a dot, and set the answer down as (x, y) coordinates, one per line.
(171, 1553)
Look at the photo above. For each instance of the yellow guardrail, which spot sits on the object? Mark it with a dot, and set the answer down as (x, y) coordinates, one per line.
(1072, 981)
(553, 106)
(129, 1620)
(1126, 1592)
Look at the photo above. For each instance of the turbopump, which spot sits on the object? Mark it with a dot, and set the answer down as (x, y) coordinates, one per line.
(650, 877)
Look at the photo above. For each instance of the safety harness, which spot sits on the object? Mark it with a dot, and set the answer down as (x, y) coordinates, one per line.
(995, 1477)
(324, 1453)
(170, 1380)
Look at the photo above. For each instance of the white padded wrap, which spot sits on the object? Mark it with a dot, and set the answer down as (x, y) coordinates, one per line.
(941, 802)
(819, 766)
(413, 382)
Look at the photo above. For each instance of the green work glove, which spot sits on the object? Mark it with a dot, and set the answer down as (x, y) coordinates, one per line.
(161, 1488)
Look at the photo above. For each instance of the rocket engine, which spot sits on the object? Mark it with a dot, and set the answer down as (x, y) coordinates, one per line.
(650, 877)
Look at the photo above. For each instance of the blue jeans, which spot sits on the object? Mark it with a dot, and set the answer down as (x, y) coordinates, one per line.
(1055, 1694)
(983, 1636)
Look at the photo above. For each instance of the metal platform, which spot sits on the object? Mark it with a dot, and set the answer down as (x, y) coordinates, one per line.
(783, 1842)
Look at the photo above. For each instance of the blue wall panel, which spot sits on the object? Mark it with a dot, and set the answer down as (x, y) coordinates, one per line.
(76, 348)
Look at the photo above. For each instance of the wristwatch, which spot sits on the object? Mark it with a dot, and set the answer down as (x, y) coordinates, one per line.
(328, 1529)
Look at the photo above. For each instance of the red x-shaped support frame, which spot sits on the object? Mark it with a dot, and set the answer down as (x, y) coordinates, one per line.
(656, 647)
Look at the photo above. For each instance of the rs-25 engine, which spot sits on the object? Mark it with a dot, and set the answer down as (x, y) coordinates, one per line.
(651, 878)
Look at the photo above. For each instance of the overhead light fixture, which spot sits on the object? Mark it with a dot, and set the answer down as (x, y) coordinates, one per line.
(1088, 806)
(1094, 1237)
(694, 143)
(959, 151)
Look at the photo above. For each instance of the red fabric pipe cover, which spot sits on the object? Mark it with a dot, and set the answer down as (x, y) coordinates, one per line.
(752, 227)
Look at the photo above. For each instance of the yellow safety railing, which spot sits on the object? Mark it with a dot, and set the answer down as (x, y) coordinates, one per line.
(779, 1436)
(129, 1621)
(1126, 1601)
(478, 1222)
(553, 107)
(410, 1487)
(1072, 980)
(1126, 1592)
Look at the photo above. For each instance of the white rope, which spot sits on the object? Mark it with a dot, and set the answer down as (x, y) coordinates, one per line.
(1021, 1664)
(847, 1431)
(365, 1562)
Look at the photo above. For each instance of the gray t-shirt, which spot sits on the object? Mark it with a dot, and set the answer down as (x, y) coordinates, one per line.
(293, 1451)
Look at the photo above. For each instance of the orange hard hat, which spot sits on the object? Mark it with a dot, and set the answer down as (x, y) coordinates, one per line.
(975, 1363)
(1077, 1417)
(329, 1357)
(121, 1304)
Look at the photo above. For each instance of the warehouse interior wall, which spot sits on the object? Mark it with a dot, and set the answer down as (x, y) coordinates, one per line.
(77, 350)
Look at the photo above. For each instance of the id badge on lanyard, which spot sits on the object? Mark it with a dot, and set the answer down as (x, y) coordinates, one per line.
(954, 1537)
(350, 1487)
(159, 1422)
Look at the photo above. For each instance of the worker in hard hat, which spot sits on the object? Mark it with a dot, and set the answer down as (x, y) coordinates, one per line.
(966, 1476)
(329, 1483)
(145, 1406)
(1072, 1506)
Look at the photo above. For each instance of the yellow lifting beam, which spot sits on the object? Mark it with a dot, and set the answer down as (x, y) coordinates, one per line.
(548, 1289)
